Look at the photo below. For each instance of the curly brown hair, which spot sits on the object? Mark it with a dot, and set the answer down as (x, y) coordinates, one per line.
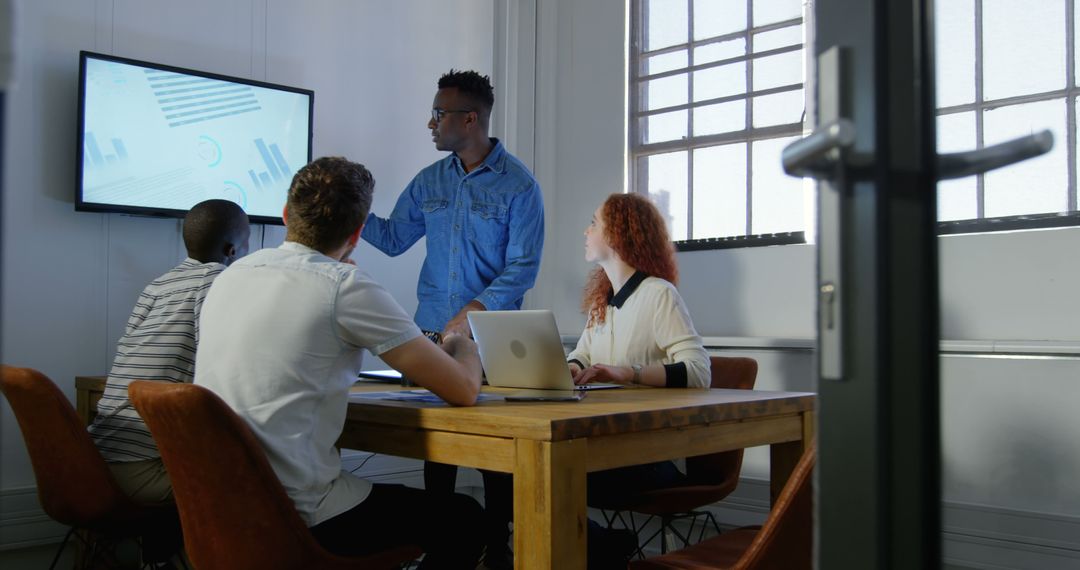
(328, 199)
(638, 234)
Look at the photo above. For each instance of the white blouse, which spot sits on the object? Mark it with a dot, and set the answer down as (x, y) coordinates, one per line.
(647, 323)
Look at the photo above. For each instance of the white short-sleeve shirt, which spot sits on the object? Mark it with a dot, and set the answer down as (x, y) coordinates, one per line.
(282, 334)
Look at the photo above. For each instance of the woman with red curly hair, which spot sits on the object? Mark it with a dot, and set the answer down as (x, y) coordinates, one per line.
(639, 331)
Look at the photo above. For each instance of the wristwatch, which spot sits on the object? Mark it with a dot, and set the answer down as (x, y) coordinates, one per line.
(637, 373)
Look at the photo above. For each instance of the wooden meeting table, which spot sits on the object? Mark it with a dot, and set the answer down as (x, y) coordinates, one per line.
(550, 446)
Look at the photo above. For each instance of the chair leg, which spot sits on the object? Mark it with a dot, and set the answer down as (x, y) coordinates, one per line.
(101, 546)
(664, 524)
(609, 518)
(63, 544)
(667, 525)
(670, 524)
(91, 558)
(704, 525)
(716, 526)
(638, 530)
(609, 522)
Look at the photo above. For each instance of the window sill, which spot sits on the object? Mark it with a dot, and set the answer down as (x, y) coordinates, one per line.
(1001, 348)
(759, 240)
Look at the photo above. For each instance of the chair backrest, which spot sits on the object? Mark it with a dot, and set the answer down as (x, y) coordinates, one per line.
(786, 540)
(722, 469)
(233, 509)
(66, 463)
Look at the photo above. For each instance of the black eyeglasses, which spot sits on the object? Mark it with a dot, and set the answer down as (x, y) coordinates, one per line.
(438, 114)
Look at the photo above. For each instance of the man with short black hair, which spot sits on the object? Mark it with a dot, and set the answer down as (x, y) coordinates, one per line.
(284, 332)
(483, 215)
(160, 344)
(480, 208)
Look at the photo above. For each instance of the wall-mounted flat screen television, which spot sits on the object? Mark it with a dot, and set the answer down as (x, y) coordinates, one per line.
(155, 139)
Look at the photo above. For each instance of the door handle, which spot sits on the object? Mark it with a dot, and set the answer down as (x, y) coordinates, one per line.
(817, 155)
(961, 164)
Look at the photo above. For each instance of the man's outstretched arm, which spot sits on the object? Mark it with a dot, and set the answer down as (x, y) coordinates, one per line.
(451, 370)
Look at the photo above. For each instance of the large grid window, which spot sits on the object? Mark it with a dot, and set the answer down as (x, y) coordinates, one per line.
(716, 92)
(1007, 69)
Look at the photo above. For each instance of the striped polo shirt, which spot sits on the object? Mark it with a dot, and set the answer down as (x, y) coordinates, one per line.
(158, 344)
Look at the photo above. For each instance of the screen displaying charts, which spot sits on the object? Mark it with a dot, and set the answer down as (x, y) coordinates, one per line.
(158, 139)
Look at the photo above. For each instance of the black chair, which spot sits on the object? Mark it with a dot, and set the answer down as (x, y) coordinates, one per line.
(710, 477)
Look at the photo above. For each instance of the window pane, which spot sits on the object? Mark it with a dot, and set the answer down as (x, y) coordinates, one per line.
(663, 127)
(720, 191)
(956, 198)
(778, 70)
(954, 48)
(769, 11)
(789, 36)
(720, 118)
(718, 17)
(665, 92)
(720, 81)
(667, 23)
(1033, 186)
(663, 62)
(1024, 47)
(777, 197)
(779, 108)
(719, 50)
(667, 188)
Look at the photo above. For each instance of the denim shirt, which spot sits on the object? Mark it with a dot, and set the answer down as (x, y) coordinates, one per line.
(485, 234)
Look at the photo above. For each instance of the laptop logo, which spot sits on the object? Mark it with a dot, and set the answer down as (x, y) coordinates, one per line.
(518, 348)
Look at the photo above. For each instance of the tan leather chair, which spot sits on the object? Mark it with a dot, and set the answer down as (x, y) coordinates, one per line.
(710, 477)
(784, 543)
(74, 484)
(233, 509)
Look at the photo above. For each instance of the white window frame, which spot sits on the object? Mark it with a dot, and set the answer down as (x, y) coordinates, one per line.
(639, 149)
(980, 105)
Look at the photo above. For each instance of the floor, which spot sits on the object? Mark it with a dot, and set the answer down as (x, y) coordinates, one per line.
(35, 558)
(39, 557)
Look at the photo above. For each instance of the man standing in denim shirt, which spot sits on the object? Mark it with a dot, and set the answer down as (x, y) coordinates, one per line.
(480, 208)
(483, 215)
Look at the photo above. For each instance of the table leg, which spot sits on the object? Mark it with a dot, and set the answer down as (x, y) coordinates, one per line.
(784, 457)
(549, 505)
(82, 405)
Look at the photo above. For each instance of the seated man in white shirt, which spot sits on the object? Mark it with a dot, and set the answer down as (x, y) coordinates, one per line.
(282, 337)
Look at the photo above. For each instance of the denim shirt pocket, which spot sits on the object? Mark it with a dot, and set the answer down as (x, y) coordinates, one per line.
(435, 215)
(488, 224)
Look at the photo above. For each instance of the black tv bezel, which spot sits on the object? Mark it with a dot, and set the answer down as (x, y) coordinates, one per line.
(84, 206)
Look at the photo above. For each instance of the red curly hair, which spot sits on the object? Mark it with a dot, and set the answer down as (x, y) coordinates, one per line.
(637, 232)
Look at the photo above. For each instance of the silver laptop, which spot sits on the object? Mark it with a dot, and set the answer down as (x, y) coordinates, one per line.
(522, 349)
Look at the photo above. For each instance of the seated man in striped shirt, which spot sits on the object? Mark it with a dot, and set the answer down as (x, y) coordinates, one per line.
(159, 344)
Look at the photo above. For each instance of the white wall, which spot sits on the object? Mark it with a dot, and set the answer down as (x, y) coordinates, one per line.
(70, 279)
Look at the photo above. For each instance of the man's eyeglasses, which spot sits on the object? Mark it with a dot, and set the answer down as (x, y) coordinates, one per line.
(438, 114)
